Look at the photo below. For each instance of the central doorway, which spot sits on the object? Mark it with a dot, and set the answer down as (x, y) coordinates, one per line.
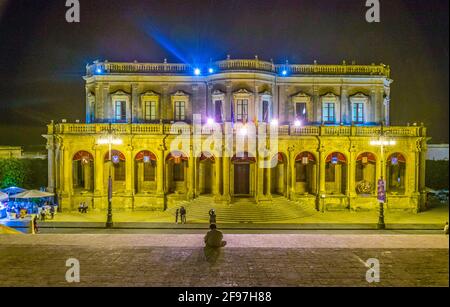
(242, 178)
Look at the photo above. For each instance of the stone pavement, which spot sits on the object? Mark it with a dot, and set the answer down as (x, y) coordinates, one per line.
(248, 260)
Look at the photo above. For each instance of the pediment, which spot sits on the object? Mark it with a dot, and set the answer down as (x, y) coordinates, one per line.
(330, 95)
(301, 95)
(242, 91)
(180, 93)
(120, 93)
(265, 93)
(217, 93)
(150, 93)
(359, 96)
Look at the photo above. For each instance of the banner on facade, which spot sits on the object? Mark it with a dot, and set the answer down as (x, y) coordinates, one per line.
(381, 191)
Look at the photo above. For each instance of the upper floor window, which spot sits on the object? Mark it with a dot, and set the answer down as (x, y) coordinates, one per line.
(120, 111)
(358, 112)
(242, 110)
(265, 111)
(329, 112)
(150, 110)
(300, 111)
(218, 111)
(180, 108)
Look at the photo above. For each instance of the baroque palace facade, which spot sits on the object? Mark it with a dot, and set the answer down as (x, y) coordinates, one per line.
(236, 128)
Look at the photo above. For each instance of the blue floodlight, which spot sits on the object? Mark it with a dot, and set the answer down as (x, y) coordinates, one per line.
(197, 71)
(284, 72)
(211, 70)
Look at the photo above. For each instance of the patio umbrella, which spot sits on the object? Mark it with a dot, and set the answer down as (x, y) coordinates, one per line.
(32, 194)
(12, 190)
(3, 196)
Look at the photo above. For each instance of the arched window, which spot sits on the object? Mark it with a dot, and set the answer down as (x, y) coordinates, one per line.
(396, 173)
(118, 162)
(336, 173)
(83, 170)
(305, 172)
(145, 171)
(365, 173)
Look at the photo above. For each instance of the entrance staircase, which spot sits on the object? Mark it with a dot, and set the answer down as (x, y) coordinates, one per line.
(244, 210)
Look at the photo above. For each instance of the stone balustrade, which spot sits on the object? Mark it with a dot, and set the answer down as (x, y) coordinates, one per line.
(283, 130)
(105, 68)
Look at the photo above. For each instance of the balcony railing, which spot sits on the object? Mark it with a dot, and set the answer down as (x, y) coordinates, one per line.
(283, 130)
(105, 68)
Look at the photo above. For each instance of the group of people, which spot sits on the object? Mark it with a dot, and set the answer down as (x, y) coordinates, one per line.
(46, 210)
(83, 207)
(182, 213)
(214, 237)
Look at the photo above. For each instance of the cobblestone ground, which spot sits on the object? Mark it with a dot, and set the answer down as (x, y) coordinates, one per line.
(248, 260)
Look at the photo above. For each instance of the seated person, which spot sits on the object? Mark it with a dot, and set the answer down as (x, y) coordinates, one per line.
(214, 237)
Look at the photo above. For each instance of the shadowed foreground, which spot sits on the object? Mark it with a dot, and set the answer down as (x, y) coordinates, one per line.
(249, 260)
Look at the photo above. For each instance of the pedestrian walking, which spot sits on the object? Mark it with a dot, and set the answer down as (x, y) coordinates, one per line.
(35, 225)
(183, 215)
(176, 215)
(212, 216)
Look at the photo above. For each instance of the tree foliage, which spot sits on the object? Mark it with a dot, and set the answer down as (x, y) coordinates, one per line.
(25, 173)
(437, 174)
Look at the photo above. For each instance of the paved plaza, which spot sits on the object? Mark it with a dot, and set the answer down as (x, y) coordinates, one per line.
(248, 260)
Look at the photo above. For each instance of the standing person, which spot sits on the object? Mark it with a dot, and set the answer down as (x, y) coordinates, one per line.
(35, 225)
(52, 211)
(212, 216)
(446, 228)
(43, 214)
(176, 215)
(183, 215)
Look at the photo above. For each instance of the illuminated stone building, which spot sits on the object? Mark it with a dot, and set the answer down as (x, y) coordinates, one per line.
(324, 120)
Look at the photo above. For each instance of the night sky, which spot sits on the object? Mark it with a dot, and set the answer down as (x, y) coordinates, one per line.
(43, 58)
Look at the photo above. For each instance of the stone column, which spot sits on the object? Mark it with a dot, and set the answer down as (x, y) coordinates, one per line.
(217, 166)
(191, 175)
(88, 105)
(160, 172)
(67, 162)
(373, 105)
(163, 114)
(351, 192)
(289, 173)
(99, 103)
(293, 176)
(109, 111)
(51, 164)
(322, 189)
(135, 104)
(257, 109)
(269, 182)
(317, 105)
(259, 178)
(228, 102)
(226, 178)
(129, 184)
(98, 170)
(345, 107)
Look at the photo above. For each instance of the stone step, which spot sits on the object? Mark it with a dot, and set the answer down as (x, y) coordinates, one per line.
(245, 210)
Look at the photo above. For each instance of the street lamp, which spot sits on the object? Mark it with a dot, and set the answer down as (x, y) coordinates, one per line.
(382, 142)
(109, 140)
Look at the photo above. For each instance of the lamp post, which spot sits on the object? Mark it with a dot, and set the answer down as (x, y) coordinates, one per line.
(382, 142)
(109, 140)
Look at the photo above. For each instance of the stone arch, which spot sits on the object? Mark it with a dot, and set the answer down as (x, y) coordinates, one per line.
(83, 171)
(145, 171)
